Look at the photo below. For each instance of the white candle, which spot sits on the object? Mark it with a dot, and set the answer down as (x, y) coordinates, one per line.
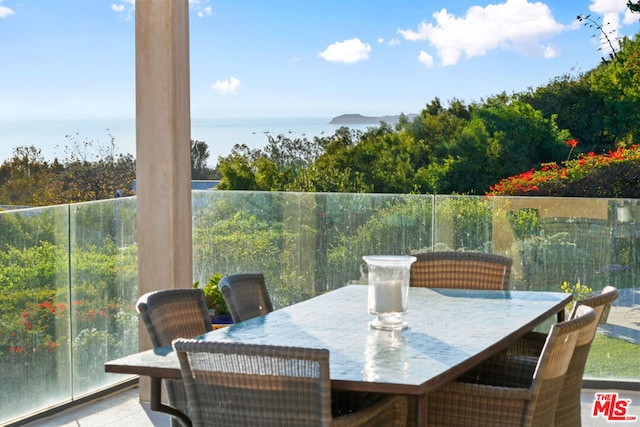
(388, 297)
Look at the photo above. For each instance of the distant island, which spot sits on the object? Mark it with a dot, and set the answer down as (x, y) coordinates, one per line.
(359, 119)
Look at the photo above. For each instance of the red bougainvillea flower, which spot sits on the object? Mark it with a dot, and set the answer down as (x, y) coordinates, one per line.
(572, 143)
(550, 175)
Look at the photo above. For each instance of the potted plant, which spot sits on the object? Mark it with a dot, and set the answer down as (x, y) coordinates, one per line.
(216, 304)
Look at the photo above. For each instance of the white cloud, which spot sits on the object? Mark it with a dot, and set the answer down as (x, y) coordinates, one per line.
(348, 51)
(630, 17)
(393, 42)
(5, 11)
(425, 59)
(226, 86)
(200, 9)
(608, 6)
(128, 6)
(205, 12)
(514, 25)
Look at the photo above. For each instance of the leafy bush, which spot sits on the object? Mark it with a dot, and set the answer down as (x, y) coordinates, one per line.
(464, 222)
(212, 295)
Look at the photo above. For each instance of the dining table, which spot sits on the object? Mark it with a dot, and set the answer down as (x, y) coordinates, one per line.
(450, 331)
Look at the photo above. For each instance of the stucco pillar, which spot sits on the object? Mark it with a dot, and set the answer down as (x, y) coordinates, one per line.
(163, 158)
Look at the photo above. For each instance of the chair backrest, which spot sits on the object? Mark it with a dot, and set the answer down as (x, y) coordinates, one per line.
(548, 378)
(246, 295)
(234, 384)
(169, 314)
(569, 411)
(174, 313)
(461, 270)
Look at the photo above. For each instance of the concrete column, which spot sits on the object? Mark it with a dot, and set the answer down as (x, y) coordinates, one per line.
(163, 147)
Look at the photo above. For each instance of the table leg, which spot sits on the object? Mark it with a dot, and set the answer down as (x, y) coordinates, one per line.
(561, 316)
(421, 408)
(157, 405)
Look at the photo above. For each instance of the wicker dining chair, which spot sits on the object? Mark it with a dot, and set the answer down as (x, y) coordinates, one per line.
(235, 384)
(528, 349)
(246, 295)
(461, 270)
(490, 399)
(169, 314)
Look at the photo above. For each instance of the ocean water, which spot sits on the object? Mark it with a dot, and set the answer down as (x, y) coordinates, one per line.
(220, 134)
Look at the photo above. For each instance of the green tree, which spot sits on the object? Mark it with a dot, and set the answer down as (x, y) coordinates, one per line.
(26, 174)
(524, 138)
(576, 107)
(91, 170)
(279, 164)
(503, 136)
(618, 82)
(199, 161)
(199, 158)
(237, 171)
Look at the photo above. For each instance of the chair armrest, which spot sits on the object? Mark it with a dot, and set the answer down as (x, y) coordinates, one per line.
(529, 345)
(461, 404)
(388, 411)
(503, 371)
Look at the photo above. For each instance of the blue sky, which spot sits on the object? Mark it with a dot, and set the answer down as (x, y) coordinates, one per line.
(76, 59)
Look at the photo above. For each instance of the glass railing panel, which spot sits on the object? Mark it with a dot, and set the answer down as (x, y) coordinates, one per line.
(35, 312)
(304, 243)
(556, 240)
(104, 289)
(579, 245)
(463, 223)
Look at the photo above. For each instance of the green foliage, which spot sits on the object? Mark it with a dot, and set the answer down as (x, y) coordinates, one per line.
(24, 176)
(199, 157)
(213, 296)
(27, 230)
(32, 268)
(469, 221)
(619, 85)
(458, 149)
(396, 227)
(524, 222)
(91, 171)
(576, 107)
